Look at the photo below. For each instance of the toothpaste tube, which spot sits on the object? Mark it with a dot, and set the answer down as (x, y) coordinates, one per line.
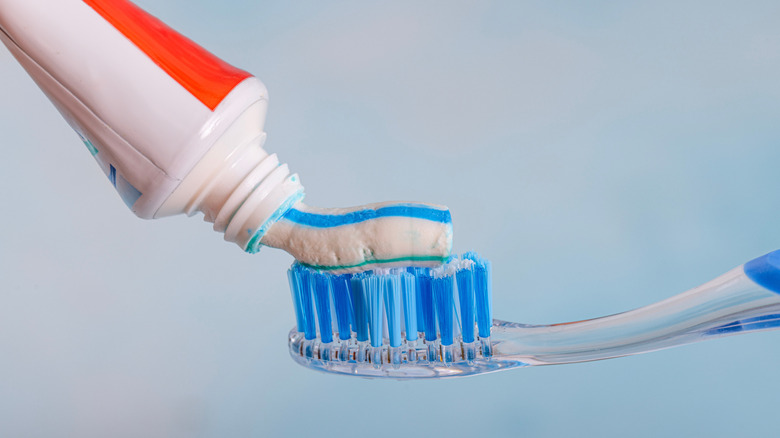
(175, 129)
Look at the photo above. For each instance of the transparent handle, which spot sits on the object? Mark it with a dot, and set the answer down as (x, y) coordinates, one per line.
(727, 305)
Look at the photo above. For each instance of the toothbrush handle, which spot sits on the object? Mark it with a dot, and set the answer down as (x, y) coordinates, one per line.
(745, 299)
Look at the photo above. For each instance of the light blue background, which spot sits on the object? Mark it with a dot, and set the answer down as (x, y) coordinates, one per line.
(604, 156)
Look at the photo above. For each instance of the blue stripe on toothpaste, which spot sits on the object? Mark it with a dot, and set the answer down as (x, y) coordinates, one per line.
(415, 211)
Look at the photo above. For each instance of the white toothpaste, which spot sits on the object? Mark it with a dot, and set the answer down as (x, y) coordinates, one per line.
(387, 234)
(177, 130)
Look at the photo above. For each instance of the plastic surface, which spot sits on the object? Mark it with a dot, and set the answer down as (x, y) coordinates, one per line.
(765, 270)
(175, 129)
(730, 304)
(208, 78)
(138, 117)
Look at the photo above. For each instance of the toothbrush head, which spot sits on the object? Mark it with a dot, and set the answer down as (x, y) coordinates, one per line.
(399, 323)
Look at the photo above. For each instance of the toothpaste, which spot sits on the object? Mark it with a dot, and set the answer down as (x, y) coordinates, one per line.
(354, 239)
(179, 131)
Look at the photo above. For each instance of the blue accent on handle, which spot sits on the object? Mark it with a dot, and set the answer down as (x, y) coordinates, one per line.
(748, 324)
(765, 270)
(417, 211)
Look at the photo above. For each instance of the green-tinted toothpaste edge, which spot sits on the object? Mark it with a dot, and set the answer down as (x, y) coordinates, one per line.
(378, 262)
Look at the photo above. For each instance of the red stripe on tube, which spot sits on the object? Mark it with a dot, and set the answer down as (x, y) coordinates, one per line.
(205, 76)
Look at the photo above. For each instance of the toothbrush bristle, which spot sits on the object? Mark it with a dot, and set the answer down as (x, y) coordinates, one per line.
(483, 292)
(342, 305)
(302, 293)
(465, 280)
(359, 307)
(425, 283)
(410, 306)
(394, 316)
(322, 294)
(373, 291)
(392, 285)
(442, 293)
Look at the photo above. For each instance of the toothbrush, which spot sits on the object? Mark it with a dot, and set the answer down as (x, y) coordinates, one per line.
(428, 323)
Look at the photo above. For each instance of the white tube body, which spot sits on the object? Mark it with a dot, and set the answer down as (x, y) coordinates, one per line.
(174, 128)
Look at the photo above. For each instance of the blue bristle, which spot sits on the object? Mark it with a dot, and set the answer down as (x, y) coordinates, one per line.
(418, 287)
(359, 308)
(378, 307)
(442, 293)
(392, 285)
(488, 300)
(465, 279)
(410, 305)
(293, 276)
(427, 308)
(342, 304)
(373, 290)
(483, 293)
(322, 300)
(307, 305)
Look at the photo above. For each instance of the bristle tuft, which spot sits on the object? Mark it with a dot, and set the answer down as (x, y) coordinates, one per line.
(380, 316)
